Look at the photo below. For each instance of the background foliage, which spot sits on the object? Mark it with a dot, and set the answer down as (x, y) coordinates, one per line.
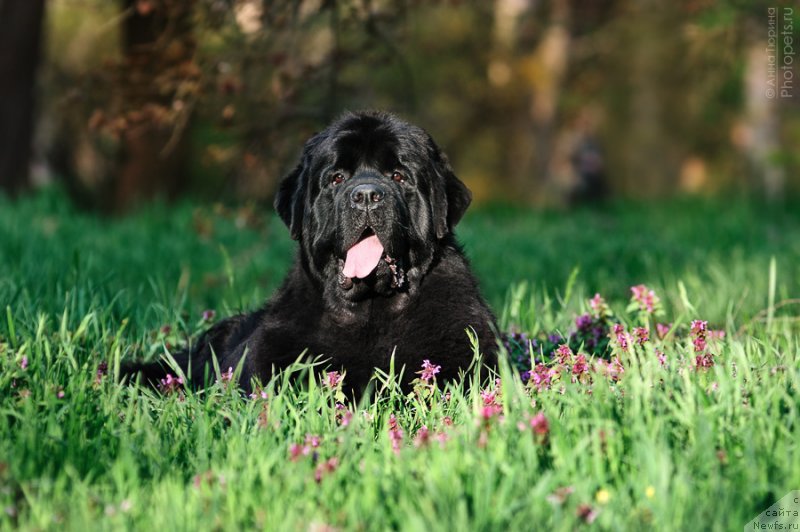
(536, 101)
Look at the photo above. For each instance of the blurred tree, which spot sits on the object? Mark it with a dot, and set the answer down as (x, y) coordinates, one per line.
(157, 87)
(20, 43)
(534, 100)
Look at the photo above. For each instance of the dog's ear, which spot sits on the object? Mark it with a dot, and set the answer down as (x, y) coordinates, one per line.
(451, 197)
(289, 200)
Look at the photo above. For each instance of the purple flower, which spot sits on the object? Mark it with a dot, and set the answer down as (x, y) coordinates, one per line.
(583, 322)
(170, 384)
(209, 315)
(428, 371)
(24, 362)
(102, 371)
(663, 330)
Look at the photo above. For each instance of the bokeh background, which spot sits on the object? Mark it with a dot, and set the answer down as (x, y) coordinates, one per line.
(537, 102)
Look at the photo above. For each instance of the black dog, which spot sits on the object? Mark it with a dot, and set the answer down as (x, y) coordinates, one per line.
(378, 272)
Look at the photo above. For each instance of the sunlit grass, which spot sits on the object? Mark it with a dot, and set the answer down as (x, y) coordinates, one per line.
(667, 446)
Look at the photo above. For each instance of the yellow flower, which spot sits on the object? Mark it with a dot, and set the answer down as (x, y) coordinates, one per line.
(602, 496)
(650, 492)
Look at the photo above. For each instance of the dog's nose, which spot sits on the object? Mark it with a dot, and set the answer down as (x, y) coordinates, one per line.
(366, 196)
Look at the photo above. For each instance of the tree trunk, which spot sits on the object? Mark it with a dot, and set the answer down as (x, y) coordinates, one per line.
(20, 44)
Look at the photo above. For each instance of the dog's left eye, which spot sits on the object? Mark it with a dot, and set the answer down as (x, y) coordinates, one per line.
(337, 178)
(397, 176)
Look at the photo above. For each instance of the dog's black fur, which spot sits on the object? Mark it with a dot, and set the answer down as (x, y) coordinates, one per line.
(417, 303)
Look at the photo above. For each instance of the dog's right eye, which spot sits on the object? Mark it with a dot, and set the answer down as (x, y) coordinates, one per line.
(337, 178)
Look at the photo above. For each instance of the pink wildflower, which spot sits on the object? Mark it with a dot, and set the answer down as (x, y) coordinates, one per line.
(599, 306)
(580, 366)
(699, 327)
(428, 371)
(170, 384)
(24, 362)
(343, 415)
(623, 341)
(423, 437)
(312, 441)
(663, 330)
(295, 452)
(716, 334)
(703, 361)
(564, 354)
(647, 299)
(586, 513)
(490, 411)
(613, 369)
(642, 335)
(259, 393)
(395, 434)
(333, 379)
(226, 376)
(541, 377)
(208, 315)
(325, 468)
(699, 344)
(489, 397)
(540, 425)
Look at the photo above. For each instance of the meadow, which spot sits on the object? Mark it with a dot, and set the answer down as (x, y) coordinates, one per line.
(687, 418)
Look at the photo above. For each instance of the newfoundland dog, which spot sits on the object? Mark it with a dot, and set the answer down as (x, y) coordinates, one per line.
(378, 272)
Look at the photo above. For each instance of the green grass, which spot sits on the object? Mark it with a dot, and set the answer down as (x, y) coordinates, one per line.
(668, 448)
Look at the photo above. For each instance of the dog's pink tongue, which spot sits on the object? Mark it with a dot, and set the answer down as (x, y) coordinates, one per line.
(363, 257)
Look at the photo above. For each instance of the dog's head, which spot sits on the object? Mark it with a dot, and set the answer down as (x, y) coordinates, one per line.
(371, 202)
